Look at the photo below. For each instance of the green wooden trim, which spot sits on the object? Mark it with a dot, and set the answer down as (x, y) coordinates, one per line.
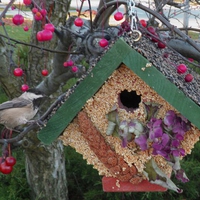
(119, 53)
(87, 88)
(158, 82)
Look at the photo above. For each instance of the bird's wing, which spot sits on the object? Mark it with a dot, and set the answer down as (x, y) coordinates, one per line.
(15, 103)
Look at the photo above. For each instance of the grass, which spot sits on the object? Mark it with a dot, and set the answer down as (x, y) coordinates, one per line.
(20, 7)
(194, 35)
(16, 32)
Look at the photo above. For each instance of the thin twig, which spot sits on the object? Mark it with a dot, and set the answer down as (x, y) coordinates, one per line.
(38, 47)
(90, 9)
(2, 15)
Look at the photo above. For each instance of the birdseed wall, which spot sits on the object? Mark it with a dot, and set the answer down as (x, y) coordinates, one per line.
(87, 132)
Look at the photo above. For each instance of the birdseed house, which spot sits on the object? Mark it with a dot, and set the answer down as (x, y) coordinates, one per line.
(132, 86)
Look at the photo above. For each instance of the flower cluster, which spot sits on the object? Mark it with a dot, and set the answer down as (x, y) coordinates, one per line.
(163, 136)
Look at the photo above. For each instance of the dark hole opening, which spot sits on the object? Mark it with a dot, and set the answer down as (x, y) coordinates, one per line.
(129, 99)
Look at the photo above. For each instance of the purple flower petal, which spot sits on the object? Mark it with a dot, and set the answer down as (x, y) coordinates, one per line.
(158, 132)
(169, 118)
(157, 146)
(124, 142)
(180, 175)
(175, 143)
(182, 152)
(162, 153)
(179, 137)
(157, 123)
(175, 153)
(142, 142)
(165, 139)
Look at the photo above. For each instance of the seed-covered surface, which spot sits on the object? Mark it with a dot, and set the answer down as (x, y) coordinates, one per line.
(99, 105)
(166, 61)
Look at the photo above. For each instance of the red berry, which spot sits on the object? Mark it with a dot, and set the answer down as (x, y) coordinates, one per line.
(34, 10)
(70, 63)
(49, 27)
(74, 69)
(45, 72)
(143, 22)
(27, 2)
(39, 36)
(26, 28)
(10, 161)
(18, 71)
(151, 29)
(18, 19)
(44, 35)
(38, 16)
(24, 87)
(161, 45)
(103, 42)
(65, 64)
(188, 78)
(5, 169)
(191, 59)
(166, 55)
(47, 35)
(118, 16)
(43, 12)
(78, 22)
(181, 69)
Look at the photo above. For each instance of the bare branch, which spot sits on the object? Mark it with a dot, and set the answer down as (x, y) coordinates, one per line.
(38, 47)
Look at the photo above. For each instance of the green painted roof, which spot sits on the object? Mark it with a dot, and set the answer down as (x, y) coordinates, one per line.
(119, 53)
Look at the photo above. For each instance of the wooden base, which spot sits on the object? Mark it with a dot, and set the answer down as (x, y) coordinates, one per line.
(114, 185)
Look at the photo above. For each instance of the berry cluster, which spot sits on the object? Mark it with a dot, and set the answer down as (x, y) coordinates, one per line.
(18, 72)
(45, 35)
(39, 15)
(79, 23)
(70, 63)
(6, 164)
(151, 32)
(7, 161)
(182, 69)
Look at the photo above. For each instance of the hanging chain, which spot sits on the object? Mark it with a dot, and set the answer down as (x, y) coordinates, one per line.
(131, 13)
(132, 16)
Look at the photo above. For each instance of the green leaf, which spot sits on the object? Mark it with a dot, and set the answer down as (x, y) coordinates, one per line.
(151, 109)
(157, 176)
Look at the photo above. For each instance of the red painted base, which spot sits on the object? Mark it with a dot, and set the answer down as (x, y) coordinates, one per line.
(114, 185)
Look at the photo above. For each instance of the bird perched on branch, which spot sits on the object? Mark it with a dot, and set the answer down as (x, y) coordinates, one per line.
(21, 110)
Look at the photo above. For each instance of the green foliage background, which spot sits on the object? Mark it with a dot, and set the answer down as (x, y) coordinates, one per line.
(84, 183)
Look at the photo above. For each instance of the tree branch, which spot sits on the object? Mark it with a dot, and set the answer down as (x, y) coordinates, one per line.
(39, 47)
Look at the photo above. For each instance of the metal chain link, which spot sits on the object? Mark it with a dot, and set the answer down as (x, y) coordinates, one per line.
(132, 13)
(132, 16)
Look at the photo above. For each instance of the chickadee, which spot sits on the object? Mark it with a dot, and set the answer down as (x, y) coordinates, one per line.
(20, 110)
